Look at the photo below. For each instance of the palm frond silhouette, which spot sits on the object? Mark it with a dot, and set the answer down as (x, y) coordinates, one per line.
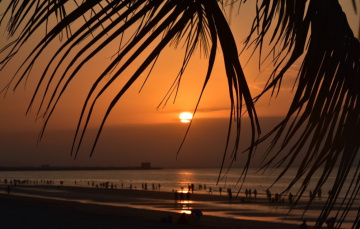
(322, 121)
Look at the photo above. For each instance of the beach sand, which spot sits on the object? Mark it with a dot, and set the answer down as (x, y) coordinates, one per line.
(82, 207)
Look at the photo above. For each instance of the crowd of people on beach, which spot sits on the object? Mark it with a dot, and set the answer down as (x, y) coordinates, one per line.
(179, 196)
(155, 187)
(15, 182)
(248, 193)
(279, 198)
(105, 184)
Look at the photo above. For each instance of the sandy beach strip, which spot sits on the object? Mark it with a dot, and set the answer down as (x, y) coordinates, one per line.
(81, 207)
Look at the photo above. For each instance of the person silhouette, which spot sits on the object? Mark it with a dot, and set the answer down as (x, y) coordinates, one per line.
(182, 219)
(230, 194)
(176, 196)
(304, 225)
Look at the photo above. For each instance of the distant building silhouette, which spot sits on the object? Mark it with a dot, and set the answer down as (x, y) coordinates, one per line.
(146, 165)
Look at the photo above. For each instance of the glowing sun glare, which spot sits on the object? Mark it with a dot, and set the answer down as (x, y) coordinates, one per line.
(185, 117)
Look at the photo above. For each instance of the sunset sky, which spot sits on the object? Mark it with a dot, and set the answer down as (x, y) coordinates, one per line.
(136, 130)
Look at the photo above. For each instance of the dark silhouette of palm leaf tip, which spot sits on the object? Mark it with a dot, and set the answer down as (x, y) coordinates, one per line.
(321, 127)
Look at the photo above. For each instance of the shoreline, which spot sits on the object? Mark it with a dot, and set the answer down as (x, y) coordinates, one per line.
(135, 208)
(74, 168)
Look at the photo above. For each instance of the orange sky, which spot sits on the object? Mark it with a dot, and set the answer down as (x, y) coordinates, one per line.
(140, 108)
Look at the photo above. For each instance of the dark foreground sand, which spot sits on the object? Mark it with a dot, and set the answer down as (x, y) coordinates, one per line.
(76, 207)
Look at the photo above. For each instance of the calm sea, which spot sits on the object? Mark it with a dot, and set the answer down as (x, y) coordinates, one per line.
(169, 179)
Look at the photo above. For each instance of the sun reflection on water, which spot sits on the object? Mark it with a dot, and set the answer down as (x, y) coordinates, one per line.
(186, 211)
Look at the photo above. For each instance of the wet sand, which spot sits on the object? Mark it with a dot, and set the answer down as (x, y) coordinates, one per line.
(81, 207)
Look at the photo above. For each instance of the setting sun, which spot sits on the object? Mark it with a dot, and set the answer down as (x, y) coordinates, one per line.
(185, 117)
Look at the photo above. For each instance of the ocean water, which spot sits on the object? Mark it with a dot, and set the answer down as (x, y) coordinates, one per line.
(171, 179)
